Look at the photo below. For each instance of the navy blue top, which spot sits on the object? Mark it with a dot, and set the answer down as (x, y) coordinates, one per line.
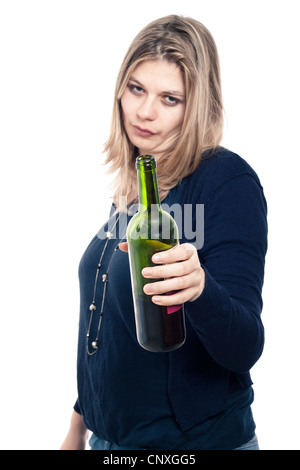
(199, 396)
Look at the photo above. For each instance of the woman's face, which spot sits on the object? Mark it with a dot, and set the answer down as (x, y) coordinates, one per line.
(153, 106)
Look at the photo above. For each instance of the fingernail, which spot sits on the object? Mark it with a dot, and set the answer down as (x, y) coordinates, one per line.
(146, 272)
(147, 289)
(156, 258)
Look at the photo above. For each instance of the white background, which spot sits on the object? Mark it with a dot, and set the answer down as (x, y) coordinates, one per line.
(59, 60)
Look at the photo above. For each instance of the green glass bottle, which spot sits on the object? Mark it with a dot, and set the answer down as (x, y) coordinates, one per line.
(151, 230)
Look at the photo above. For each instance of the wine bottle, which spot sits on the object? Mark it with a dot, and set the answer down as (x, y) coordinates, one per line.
(152, 230)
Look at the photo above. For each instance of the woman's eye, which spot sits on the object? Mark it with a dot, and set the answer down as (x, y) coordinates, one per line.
(137, 90)
(170, 100)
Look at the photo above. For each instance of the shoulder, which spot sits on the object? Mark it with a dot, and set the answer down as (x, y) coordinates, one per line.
(224, 165)
(219, 169)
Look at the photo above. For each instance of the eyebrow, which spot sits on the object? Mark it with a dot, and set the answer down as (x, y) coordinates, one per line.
(170, 92)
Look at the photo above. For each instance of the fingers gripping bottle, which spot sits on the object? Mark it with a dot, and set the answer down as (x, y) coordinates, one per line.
(151, 230)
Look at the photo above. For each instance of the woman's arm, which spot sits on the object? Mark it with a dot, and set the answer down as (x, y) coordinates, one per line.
(223, 296)
(77, 434)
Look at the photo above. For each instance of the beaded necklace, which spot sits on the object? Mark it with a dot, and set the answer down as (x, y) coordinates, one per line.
(93, 307)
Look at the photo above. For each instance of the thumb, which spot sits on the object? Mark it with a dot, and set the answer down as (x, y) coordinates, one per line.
(123, 247)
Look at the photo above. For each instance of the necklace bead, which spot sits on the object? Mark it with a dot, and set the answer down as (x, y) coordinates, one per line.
(92, 307)
(94, 345)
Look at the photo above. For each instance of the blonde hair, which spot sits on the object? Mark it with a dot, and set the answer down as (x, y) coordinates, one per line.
(187, 43)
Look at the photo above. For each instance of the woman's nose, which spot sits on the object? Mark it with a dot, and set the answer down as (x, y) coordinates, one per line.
(147, 110)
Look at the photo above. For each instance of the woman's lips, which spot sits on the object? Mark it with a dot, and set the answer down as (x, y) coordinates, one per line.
(143, 132)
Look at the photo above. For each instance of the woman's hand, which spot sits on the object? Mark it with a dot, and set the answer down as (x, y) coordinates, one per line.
(77, 434)
(181, 272)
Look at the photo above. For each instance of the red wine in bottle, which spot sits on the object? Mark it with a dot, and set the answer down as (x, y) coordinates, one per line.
(152, 230)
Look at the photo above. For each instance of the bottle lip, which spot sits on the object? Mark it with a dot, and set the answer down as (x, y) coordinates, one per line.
(145, 162)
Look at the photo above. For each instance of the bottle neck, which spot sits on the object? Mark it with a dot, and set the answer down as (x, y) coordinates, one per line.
(147, 182)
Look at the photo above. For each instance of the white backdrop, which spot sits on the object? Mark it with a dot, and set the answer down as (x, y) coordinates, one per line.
(59, 60)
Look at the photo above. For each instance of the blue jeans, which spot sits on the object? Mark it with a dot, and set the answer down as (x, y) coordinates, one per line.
(101, 444)
(251, 445)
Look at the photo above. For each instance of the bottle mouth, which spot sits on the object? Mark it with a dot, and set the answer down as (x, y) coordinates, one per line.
(145, 162)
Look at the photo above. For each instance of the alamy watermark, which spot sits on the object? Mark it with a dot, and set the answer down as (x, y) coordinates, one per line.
(189, 219)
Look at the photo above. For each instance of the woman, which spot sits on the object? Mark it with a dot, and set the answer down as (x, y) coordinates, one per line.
(168, 103)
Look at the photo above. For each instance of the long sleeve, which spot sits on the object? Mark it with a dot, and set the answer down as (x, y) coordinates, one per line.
(227, 316)
(77, 407)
